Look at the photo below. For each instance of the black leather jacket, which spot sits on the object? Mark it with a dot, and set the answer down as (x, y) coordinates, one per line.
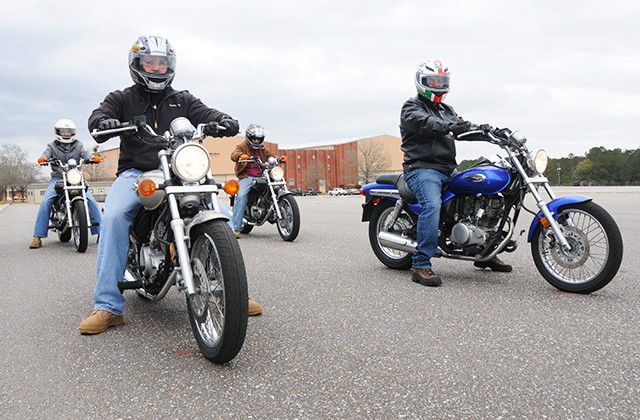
(160, 109)
(426, 142)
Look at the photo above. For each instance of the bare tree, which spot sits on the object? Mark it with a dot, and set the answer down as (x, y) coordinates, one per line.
(95, 172)
(372, 159)
(16, 173)
(312, 175)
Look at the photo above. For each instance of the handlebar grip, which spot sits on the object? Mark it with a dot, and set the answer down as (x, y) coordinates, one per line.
(125, 127)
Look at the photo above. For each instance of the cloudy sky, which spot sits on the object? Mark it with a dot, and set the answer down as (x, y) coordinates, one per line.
(566, 73)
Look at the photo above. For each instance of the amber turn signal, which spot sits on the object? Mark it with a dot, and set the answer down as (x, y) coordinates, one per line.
(231, 187)
(147, 187)
(284, 159)
(544, 222)
(244, 157)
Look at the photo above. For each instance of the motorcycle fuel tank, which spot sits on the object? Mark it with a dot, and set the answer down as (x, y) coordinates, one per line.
(486, 179)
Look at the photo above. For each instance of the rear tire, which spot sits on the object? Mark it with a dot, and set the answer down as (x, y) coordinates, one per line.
(218, 312)
(596, 251)
(392, 258)
(80, 228)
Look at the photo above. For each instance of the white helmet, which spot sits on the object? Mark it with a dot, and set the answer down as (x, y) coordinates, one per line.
(432, 80)
(158, 54)
(65, 131)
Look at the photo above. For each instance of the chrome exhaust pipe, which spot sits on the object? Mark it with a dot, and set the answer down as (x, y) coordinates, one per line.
(393, 241)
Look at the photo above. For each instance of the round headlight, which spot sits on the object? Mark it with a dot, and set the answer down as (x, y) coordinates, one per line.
(74, 177)
(191, 162)
(538, 160)
(277, 173)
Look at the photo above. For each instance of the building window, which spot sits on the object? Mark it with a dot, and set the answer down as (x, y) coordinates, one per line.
(328, 167)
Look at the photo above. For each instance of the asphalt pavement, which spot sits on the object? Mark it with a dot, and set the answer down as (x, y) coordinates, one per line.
(341, 335)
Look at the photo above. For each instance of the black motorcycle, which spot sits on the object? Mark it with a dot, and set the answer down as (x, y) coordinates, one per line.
(270, 200)
(70, 212)
(180, 237)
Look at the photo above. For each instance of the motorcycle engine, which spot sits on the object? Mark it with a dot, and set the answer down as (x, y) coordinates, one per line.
(478, 216)
(150, 260)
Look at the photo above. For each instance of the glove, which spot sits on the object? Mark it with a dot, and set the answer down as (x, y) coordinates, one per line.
(231, 127)
(41, 160)
(211, 129)
(109, 124)
(459, 128)
(96, 159)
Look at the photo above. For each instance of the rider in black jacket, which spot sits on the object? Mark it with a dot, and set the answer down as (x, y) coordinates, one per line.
(428, 127)
(152, 63)
(160, 108)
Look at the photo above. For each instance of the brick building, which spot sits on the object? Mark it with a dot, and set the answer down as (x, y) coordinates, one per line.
(322, 166)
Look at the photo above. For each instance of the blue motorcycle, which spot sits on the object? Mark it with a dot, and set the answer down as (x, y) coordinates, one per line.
(575, 243)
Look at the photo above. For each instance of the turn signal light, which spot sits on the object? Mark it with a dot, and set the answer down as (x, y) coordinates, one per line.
(231, 187)
(147, 187)
(284, 159)
(544, 222)
(244, 157)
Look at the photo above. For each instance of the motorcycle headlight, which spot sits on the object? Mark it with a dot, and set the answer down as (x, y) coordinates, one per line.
(277, 173)
(190, 162)
(74, 177)
(538, 160)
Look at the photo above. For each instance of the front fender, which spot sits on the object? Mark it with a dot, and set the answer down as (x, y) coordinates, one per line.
(553, 206)
(204, 216)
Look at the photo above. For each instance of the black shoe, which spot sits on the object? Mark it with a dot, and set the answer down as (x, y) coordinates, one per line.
(496, 264)
(426, 277)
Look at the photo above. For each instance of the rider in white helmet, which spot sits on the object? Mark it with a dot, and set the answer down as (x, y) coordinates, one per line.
(428, 127)
(65, 146)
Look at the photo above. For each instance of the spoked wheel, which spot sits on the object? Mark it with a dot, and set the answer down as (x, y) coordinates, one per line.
(595, 254)
(392, 258)
(289, 225)
(80, 228)
(218, 312)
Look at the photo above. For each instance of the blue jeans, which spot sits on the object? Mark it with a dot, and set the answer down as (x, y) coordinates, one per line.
(41, 228)
(120, 210)
(427, 186)
(240, 203)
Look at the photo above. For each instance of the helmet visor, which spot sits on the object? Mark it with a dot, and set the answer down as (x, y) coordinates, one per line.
(435, 82)
(66, 133)
(157, 65)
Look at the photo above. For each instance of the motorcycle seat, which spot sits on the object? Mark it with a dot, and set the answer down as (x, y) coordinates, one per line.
(403, 188)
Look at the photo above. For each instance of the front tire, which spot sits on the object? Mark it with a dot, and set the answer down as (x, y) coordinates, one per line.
(392, 258)
(596, 249)
(289, 225)
(80, 228)
(218, 312)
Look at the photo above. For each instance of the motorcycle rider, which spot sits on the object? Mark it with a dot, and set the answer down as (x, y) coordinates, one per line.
(152, 66)
(428, 127)
(247, 171)
(65, 146)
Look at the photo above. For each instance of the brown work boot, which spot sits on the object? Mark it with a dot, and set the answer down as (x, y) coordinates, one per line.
(496, 264)
(35, 243)
(236, 233)
(426, 277)
(254, 308)
(100, 321)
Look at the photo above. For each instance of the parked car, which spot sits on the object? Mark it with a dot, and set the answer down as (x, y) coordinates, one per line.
(295, 191)
(353, 191)
(338, 191)
(310, 191)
